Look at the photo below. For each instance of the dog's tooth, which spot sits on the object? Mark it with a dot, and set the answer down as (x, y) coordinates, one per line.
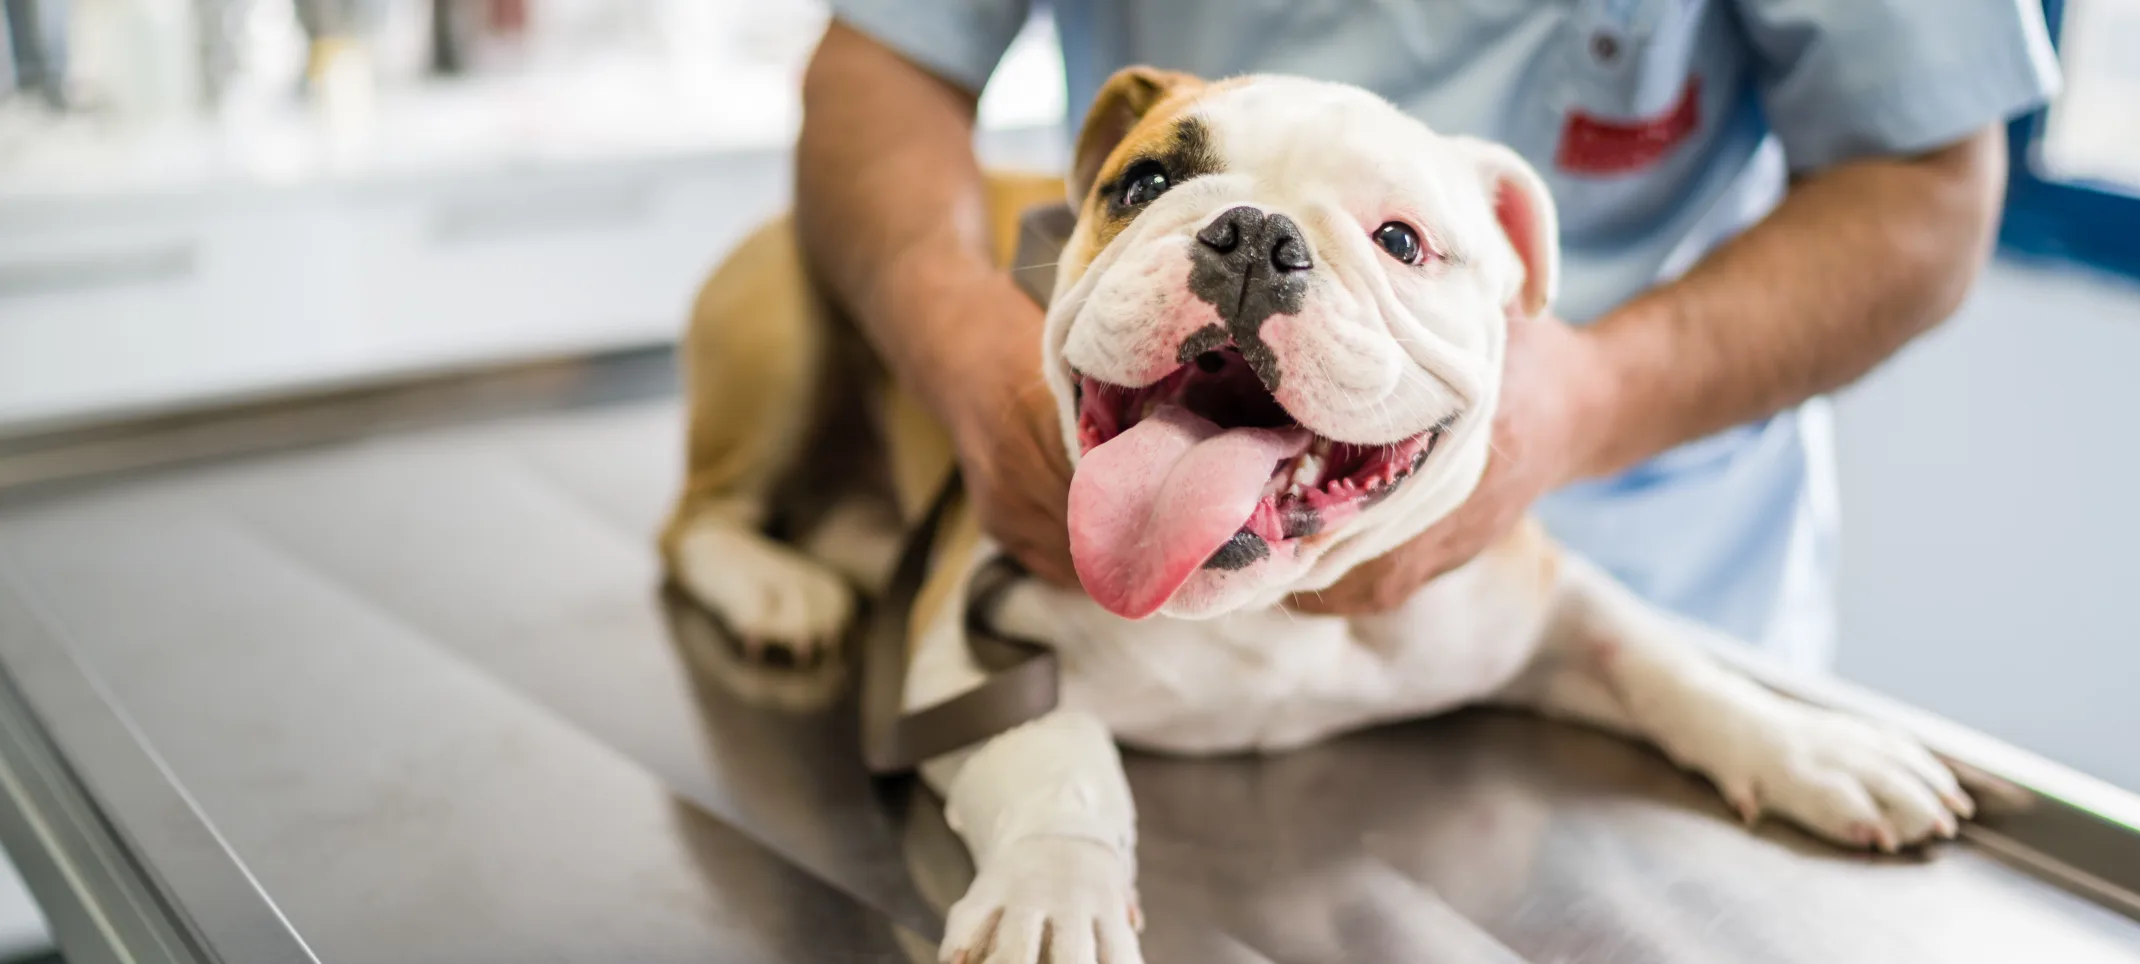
(1307, 469)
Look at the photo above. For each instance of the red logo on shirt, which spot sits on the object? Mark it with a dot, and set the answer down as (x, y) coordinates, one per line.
(1589, 145)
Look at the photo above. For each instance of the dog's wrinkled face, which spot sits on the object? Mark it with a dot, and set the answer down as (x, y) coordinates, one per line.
(1277, 333)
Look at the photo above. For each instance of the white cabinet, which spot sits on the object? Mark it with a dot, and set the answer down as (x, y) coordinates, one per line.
(108, 305)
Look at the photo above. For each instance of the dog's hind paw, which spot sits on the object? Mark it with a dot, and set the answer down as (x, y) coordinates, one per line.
(1055, 899)
(781, 605)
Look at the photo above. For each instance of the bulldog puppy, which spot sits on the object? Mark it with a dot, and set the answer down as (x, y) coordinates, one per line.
(1276, 345)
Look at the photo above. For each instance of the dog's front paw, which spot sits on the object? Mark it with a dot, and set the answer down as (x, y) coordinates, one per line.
(1056, 899)
(1842, 778)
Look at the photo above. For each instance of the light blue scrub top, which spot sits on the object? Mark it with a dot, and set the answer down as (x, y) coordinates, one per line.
(1662, 128)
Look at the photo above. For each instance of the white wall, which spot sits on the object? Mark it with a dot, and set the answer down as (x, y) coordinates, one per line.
(1991, 514)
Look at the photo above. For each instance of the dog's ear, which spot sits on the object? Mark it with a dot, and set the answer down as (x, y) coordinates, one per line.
(1123, 101)
(1520, 203)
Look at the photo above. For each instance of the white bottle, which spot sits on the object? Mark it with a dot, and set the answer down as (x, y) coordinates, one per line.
(138, 60)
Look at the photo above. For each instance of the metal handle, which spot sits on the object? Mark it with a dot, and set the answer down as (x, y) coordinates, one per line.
(111, 269)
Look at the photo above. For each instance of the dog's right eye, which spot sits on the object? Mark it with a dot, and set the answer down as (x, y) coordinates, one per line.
(1144, 182)
(1400, 241)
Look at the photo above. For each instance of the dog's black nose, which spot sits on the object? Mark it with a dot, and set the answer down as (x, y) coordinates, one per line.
(1272, 239)
(1248, 266)
(1223, 234)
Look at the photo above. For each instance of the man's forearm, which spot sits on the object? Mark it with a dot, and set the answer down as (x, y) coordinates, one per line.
(890, 204)
(1856, 261)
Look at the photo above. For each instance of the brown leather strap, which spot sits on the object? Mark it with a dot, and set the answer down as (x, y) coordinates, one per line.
(1024, 679)
(1042, 232)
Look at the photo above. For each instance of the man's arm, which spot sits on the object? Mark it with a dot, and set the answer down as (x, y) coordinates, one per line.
(889, 197)
(1856, 260)
(890, 205)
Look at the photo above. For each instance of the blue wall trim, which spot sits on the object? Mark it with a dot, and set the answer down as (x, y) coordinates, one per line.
(2094, 224)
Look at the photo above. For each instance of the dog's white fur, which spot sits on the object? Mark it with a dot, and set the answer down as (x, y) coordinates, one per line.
(1379, 352)
(1375, 355)
(1045, 809)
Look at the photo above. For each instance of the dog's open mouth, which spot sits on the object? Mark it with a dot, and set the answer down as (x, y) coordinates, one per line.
(1204, 469)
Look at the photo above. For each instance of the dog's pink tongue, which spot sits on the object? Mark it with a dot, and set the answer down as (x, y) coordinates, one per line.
(1148, 506)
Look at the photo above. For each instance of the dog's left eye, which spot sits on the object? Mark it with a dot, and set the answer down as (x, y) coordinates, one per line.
(1400, 241)
(1144, 182)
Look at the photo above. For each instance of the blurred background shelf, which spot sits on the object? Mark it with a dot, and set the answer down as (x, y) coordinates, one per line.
(549, 207)
(149, 305)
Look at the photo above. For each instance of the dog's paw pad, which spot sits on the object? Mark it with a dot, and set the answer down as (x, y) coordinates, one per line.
(783, 607)
(1056, 900)
(805, 653)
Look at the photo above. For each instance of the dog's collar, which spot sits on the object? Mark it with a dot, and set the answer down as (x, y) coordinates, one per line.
(1024, 679)
(1043, 232)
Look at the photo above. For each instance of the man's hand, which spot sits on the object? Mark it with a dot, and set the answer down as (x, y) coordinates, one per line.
(1552, 379)
(892, 209)
(1009, 436)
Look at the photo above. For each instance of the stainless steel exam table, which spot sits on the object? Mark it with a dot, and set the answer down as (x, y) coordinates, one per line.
(387, 674)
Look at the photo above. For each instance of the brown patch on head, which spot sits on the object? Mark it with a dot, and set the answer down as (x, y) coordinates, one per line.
(1127, 102)
(1140, 118)
(1176, 149)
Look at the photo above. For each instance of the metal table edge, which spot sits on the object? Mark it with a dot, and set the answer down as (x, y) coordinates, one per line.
(116, 853)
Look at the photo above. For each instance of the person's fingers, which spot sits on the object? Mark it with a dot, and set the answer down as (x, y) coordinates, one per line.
(1056, 572)
(1047, 514)
(1029, 527)
(1045, 552)
(1051, 561)
(1048, 561)
(1333, 601)
(1051, 523)
(1385, 583)
(1357, 593)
